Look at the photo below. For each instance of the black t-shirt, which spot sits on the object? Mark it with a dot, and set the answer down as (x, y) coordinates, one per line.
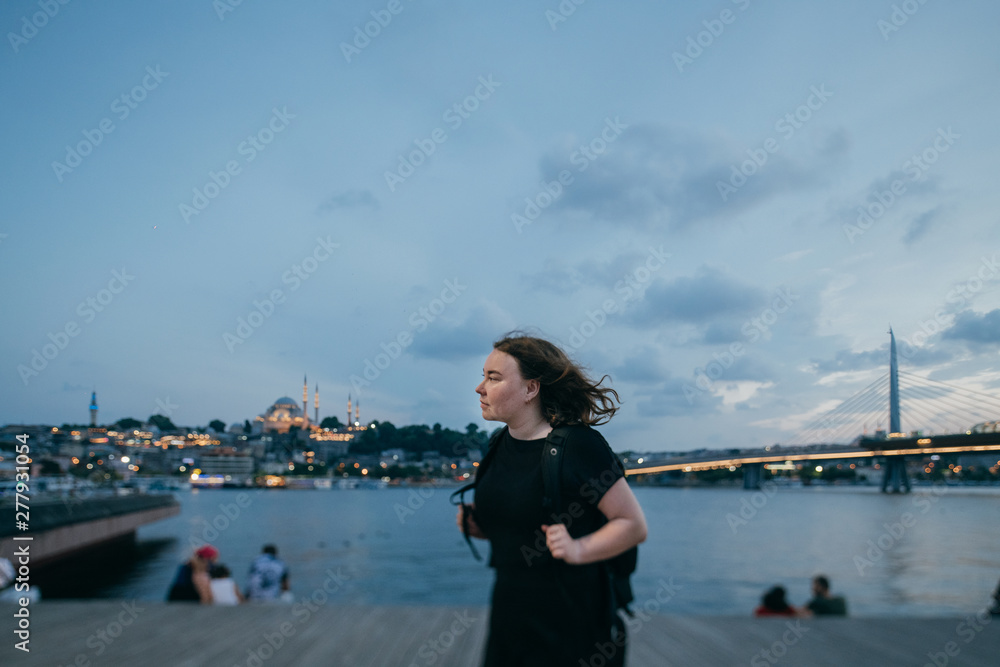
(509, 494)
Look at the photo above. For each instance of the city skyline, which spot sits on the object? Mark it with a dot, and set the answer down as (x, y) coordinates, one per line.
(723, 206)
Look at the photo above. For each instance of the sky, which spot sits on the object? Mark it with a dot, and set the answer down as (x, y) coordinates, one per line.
(721, 205)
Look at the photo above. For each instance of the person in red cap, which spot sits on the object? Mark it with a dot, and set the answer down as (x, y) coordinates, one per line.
(192, 583)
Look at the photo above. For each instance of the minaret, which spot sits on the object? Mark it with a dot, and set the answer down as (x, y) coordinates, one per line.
(894, 425)
(305, 401)
(348, 424)
(93, 409)
(316, 404)
(357, 412)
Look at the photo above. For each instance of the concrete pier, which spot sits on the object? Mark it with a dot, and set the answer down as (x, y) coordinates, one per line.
(60, 527)
(186, 635)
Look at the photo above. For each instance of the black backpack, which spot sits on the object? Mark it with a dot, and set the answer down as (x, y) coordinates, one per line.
(618, 569)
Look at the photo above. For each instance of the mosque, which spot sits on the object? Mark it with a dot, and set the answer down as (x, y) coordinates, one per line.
(285, 413)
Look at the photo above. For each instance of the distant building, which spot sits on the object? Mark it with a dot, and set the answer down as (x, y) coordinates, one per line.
(225, 461)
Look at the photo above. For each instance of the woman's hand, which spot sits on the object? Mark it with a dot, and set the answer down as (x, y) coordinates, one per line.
(561, 545)
(474, 530)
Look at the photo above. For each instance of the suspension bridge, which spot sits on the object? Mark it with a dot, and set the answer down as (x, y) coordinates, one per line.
(942, 419)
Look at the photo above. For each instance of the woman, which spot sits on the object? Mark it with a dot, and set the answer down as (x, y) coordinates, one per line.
(550, 598)
(192, 582)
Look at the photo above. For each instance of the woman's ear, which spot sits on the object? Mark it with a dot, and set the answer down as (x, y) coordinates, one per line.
(532, 387)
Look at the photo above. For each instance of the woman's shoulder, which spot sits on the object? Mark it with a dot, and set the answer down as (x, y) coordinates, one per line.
(581, 432)
(588, 449)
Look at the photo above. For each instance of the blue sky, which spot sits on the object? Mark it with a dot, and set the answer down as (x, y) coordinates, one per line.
(762, 186)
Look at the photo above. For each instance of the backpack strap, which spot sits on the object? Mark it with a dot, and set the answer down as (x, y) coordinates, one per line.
(468, 510)
(552, 458)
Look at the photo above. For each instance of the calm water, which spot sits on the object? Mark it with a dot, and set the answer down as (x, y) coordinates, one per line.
(931, 553)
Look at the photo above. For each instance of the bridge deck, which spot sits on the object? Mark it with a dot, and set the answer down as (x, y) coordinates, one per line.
(144, 633)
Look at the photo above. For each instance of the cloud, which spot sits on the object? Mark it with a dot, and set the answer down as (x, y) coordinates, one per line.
(921, 224)
(848, 213)
(556, 278)
(676, 397)
(624, 269)
(700, 299)
(846, 361)
(460, 341)
(973, 327)
(655, 174)
(644, 366)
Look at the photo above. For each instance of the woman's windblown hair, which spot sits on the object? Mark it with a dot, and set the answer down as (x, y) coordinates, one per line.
(568, 396)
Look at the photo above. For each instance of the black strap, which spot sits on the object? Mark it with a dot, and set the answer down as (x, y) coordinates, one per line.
(468, 510)
(552, 457)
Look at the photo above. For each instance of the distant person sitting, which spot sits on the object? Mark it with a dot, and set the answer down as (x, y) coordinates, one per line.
(774, 604)
(192, 583)
(824, 604)
(268, 576)
(224, 589)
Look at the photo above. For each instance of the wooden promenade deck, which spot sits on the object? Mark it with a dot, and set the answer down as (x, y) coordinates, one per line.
(125, 633)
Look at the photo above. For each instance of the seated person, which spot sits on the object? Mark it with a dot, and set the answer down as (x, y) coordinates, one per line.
(774, 604)
(824, 604)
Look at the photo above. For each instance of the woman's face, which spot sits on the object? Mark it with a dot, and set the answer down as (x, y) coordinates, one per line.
(504, 394)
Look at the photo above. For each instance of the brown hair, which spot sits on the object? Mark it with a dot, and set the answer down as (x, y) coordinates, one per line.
(568, 396)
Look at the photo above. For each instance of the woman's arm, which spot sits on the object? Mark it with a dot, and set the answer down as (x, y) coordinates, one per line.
(626, 527)
(474, 529)
(202, 584)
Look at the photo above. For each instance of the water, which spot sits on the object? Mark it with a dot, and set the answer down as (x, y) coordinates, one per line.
(931, 553)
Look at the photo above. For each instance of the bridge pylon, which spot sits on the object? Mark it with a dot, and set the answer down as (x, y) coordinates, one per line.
(895, 479)
(752, 475)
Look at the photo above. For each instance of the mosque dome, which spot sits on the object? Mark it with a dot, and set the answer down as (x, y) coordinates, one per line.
(282, 415)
